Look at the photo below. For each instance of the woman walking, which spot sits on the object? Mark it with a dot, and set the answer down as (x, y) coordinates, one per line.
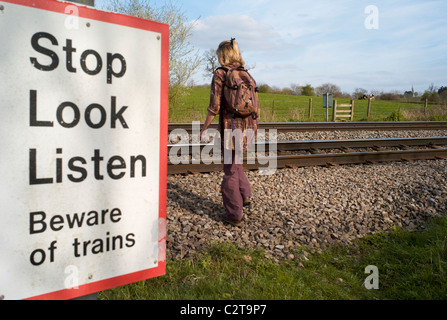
(237, 126)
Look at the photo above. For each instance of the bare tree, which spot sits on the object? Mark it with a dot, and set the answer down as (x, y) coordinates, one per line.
(295, 88)
(183, 59)
(210, 62)
(359, 92)
(329, 88)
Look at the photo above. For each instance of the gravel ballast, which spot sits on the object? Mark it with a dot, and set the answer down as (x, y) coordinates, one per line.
(310, 206)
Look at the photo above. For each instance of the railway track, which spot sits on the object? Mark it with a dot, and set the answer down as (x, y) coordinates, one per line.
(314, 153)
(313, 207)
(330, 126)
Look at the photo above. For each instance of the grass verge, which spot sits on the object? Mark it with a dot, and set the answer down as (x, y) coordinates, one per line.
(410, 265)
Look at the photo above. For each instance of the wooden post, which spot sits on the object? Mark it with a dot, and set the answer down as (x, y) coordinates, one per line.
(425, 107)
(368, 113)
(310, 108)
(273, 109)
(334, 107)
(352, 110)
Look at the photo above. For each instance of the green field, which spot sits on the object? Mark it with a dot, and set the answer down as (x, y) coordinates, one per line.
(292, 108)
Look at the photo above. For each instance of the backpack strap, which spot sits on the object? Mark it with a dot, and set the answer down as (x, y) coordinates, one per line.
(228, 71)
(221, 117)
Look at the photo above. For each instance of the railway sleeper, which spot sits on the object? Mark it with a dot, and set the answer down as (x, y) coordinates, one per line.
(347, 149)
(378, 148)
(315, 151)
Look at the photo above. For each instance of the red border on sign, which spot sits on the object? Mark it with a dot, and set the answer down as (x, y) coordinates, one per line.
(163, 29)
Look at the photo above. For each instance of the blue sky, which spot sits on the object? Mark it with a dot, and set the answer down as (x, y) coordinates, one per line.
(376, 45)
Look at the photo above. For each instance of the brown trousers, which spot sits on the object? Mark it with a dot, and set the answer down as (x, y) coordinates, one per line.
(235, 187)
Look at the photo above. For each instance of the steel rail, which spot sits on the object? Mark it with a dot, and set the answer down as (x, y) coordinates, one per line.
(294, 145)
(283, 146)
(360, 157)
(326, 159)
(331, 126)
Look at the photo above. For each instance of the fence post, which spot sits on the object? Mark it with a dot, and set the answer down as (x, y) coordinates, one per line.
(310, 108)
(352, 110)
(334, 106)
(368, 113)
(425, 107)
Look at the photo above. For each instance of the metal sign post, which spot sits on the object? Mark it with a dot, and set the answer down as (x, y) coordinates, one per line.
(327, 103)
(84, 99)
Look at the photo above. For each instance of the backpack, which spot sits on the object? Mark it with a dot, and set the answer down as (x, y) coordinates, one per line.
(240, 93)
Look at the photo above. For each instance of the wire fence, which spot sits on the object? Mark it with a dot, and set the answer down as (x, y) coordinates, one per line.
(302, 109)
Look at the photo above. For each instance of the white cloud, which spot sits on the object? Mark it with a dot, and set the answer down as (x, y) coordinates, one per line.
(252, 35)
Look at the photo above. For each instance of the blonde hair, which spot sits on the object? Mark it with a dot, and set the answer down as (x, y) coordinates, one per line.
(228, 53)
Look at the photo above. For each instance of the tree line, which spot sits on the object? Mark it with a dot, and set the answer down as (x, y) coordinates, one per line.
(433, 94)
